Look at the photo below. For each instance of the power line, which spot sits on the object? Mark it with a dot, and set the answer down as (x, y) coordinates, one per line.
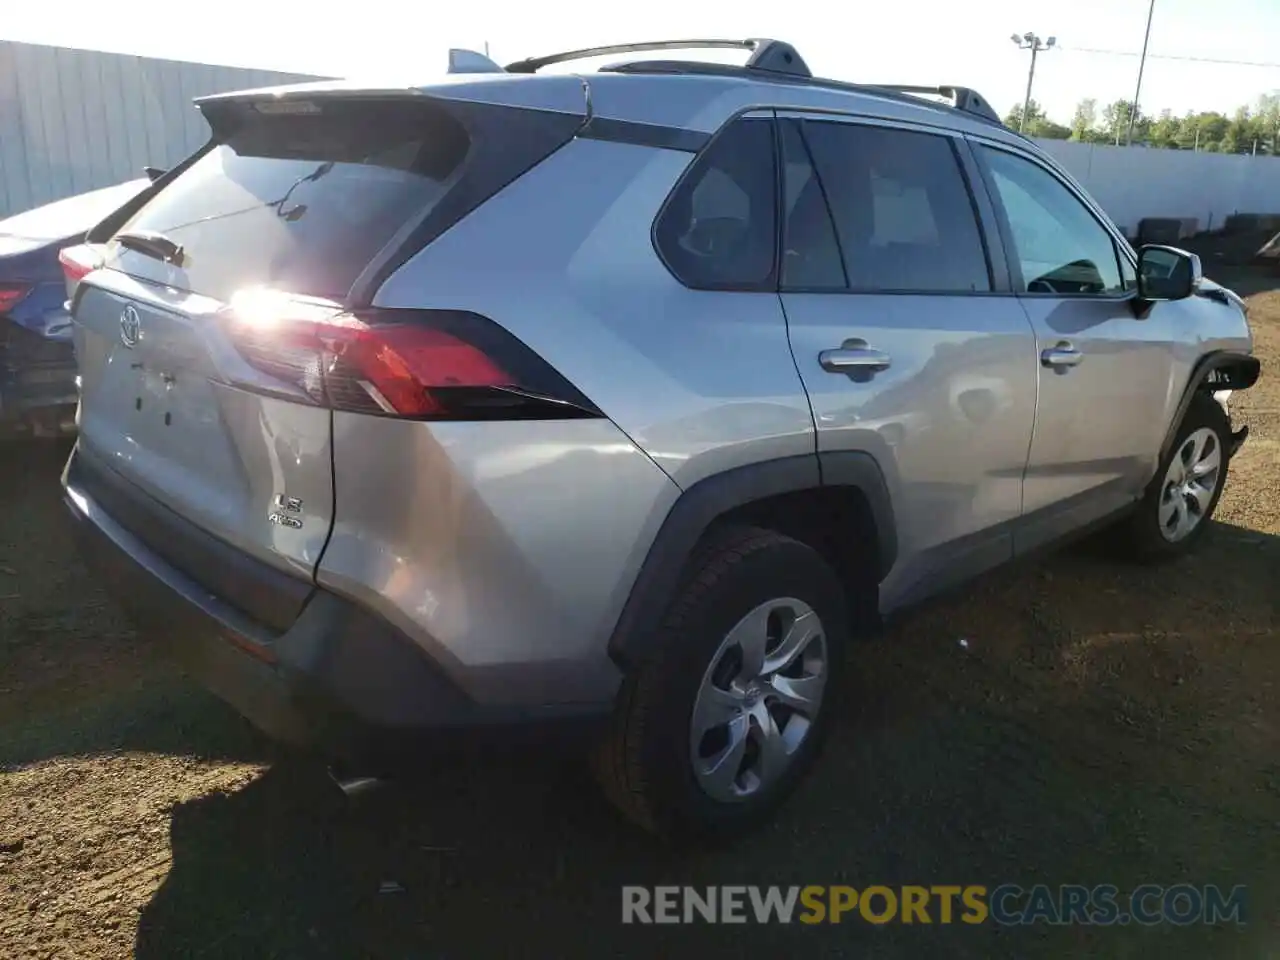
(1170, 56)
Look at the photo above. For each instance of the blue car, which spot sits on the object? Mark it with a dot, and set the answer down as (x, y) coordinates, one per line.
(37, 363)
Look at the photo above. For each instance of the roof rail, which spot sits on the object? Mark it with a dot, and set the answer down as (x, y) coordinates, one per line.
(771, 56)
(961, 98)
(958, 98)
(767, 56)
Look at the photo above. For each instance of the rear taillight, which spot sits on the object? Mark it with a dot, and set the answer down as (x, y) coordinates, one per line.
(11, 294)
(77, 263)
(424, 365)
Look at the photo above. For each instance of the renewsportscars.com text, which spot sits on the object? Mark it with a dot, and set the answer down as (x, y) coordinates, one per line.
(1007, 904)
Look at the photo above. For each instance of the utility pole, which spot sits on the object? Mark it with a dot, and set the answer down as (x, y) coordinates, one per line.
(1029, 41)
(1133, 107)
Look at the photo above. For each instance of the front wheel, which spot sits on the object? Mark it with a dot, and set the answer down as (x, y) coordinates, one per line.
(1177, 507)
(718, 727)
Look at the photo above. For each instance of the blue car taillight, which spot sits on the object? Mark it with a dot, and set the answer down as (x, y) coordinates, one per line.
(11, 294)
(77, 263)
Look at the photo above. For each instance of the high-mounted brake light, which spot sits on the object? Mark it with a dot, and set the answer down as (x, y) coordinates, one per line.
(411, 364)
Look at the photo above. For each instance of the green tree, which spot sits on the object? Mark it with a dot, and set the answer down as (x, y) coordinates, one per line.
(1247, 129)
(1038, 123)
(1165, 132)
(1115, 122)
(1239, 136)
(1208, 129)
(1085, 121)
(1035, 114)
(1267, 120)
(1186, 139)
(1214, 125)
(1049, 130)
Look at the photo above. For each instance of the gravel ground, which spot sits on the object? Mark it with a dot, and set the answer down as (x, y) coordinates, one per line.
(1100, 724)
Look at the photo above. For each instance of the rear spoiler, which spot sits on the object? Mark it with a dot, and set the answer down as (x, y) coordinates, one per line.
(460, 62)
(107, 228)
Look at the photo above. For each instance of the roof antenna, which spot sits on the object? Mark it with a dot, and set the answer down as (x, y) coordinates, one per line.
(468, 61)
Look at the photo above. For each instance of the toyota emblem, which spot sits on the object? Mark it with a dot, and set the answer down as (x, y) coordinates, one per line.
(130, 326)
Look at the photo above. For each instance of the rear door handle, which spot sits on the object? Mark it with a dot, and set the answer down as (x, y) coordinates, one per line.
(1062, 356)
(851, 359)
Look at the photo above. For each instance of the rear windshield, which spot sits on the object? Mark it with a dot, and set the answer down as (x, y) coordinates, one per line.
(300, 201)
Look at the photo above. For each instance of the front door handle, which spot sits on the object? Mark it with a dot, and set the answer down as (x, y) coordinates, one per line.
(1062, 356)
(852, 358)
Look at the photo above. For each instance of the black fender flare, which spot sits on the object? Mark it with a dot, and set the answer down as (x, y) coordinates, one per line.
(1219, 370)
(698, 507)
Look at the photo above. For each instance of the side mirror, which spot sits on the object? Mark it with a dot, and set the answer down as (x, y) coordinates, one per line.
(154, 173)
(1167, 273)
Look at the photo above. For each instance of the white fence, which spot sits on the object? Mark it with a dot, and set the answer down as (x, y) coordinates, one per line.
(75, 120)
(1132, 183)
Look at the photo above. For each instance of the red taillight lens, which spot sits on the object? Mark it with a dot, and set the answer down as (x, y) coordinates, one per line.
(11, 294)
(353, 366)
(412, 364)
(405, 364)
(77, 263)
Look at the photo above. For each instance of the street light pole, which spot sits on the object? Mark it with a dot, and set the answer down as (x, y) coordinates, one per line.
(1133, 107)
(1026, 101)
(1029, 41)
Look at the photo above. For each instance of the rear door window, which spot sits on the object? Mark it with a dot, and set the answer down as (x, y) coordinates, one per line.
(302, 201)
(718, 229)
(902, 209)
(811, 257)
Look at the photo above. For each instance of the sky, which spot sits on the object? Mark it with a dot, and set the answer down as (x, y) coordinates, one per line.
(906, 41)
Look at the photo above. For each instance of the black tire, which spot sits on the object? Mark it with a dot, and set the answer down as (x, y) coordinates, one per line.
(1141, 536)
(645, 764)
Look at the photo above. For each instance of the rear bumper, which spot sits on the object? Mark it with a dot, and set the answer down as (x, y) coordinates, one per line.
(339, 681)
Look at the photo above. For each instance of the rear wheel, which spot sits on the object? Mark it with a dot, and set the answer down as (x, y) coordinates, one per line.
(1177, 507)
(715, 731)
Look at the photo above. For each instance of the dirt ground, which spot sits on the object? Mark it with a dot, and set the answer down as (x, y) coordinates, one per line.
(1100, 724)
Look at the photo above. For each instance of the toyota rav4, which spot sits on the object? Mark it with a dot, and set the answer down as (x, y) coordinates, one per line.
(626, 398)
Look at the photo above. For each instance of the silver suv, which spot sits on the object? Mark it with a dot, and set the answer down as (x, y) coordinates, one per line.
(619, 402)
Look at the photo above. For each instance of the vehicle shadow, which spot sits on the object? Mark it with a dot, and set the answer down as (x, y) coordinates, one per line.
(1092, 727)
(74, 676)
